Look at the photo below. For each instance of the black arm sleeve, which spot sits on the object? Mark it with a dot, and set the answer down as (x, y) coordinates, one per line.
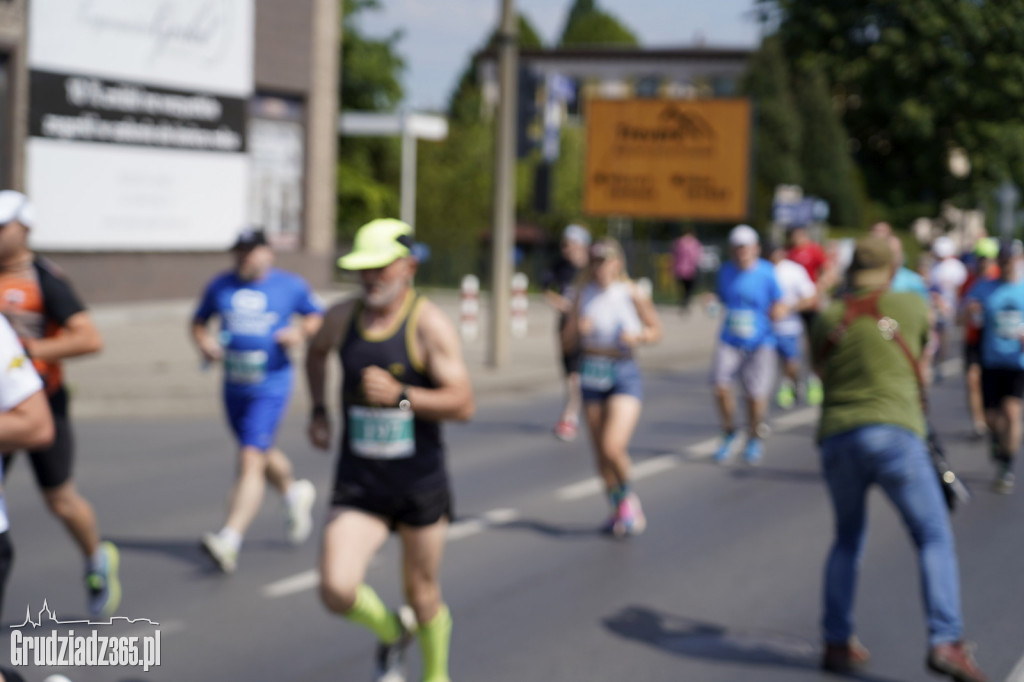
(60, 301)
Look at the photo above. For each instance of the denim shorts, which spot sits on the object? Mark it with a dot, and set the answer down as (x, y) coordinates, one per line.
(601, 378)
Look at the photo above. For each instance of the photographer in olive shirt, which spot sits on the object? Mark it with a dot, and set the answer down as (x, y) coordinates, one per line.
(866, 347)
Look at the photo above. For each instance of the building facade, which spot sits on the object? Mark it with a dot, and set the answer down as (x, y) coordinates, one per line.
(149, 132)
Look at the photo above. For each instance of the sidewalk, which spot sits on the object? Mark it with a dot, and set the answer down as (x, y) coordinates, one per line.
(149, 368)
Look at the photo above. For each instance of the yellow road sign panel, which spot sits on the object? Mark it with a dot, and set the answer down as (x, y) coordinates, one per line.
(665, 158)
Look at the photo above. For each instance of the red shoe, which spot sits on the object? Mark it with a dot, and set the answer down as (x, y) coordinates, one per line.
(955, 659)
(566, 430)
(845, 658)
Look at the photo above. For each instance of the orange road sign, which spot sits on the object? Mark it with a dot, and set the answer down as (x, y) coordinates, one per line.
(665, 158)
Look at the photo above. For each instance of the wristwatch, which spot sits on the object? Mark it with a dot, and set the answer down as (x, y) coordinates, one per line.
(403, 400)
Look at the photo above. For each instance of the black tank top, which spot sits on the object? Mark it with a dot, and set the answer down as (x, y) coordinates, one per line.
(385, 450)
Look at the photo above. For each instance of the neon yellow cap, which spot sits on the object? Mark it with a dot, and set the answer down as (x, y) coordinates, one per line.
(986, 248)
(378, 243)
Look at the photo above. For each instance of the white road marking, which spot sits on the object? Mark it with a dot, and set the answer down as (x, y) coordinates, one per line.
(1018, 672)
(307, 580)
(495, 517)
(593, 486)
(704, 448)
(792, 420)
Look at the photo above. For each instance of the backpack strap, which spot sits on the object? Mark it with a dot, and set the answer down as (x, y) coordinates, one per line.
(868, 306)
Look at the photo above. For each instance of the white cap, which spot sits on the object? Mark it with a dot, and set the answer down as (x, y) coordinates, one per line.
(16, 206)
(943, 247)
(576, 233)
(743, 235)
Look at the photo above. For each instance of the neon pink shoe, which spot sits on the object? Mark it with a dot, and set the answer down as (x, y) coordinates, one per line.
(566, 430)
(631, 519)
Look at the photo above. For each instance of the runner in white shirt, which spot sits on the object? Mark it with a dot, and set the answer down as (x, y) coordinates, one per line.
(25, 423)
(799, 294)
(945, 279)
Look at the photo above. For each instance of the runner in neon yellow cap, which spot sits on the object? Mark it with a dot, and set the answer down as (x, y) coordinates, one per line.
(403, 374)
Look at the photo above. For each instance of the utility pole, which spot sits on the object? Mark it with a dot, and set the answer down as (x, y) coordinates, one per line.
(503, 232)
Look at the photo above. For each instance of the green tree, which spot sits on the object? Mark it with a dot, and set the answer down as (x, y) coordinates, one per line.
(368, 169)
(464, 103)
(587, 25)
(778, 130)
(917, 78)
(826, 166)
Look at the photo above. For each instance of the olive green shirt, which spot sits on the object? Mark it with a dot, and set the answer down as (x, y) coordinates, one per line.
(867, 378)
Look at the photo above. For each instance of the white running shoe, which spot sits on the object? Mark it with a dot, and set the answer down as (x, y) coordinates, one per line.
(300, 511)
(221, 551)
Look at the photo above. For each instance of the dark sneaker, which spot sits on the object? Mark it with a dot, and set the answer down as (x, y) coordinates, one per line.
(1004, 483)
(390, 658)
(955, 659)
(103, 585)
(845, 658)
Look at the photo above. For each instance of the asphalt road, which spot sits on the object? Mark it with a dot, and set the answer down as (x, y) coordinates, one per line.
(724, 586)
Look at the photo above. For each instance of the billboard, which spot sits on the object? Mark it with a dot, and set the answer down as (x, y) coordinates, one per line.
(662, 158)
(137, 123)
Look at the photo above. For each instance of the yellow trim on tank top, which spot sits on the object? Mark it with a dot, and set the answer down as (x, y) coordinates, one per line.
(411, 349)
(385, 334)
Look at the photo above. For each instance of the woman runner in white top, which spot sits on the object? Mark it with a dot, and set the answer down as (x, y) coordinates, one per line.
(609, 319)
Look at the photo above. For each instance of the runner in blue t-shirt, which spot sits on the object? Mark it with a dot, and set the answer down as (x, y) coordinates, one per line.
(751, 300)
(999, 304)
(255, 303)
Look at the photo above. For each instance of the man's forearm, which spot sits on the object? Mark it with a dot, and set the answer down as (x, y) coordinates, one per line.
(439, 404)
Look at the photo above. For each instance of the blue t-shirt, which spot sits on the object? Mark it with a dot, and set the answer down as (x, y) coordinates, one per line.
(906, 280)
(251, 313)
(748, 297)
(1003, 322)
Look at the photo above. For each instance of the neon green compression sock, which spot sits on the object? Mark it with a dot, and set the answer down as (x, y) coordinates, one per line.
(370, 612)
(435, 641)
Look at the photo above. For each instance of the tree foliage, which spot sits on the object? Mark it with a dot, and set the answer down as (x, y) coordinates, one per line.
(828, 170)
(587, 25)
(778, 126)
(368, 168)
(917, 78)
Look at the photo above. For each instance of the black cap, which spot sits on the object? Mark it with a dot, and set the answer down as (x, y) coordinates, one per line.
(250, 238)
(1009, 249)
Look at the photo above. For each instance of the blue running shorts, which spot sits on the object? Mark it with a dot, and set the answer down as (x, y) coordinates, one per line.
(254, 418)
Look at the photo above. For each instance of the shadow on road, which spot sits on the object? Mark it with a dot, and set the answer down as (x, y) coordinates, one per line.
(186, 551)
(550, 529)
(773, 474)
(711, 642)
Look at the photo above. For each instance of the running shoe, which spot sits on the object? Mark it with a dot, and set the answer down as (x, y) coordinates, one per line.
(611, 523)
(566, 430)
(222, 553)
(815, 391)
(724, 452)
(786, 396)
(102, 583)
(631, 517)
(1004, 481)
(390, 658)
(754, 452)
(300, 512)
(980, 430)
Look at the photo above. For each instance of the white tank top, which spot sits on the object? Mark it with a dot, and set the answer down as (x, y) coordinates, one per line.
(611, 311)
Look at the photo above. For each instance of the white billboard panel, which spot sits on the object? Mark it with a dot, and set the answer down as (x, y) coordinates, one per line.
(195, 45)
(99, 197)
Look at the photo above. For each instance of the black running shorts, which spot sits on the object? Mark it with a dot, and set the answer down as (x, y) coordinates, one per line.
(998, 383)
(52, 466)
(417, 509)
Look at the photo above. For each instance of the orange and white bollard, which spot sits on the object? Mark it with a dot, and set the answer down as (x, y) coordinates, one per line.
(469, 310)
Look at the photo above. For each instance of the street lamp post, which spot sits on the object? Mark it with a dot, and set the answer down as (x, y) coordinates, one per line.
(502, 236)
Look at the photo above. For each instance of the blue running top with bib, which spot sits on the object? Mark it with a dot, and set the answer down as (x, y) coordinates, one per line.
(251, 313)
(748, 297)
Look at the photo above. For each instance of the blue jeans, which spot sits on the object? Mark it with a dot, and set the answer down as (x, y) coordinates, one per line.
(898, 461)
